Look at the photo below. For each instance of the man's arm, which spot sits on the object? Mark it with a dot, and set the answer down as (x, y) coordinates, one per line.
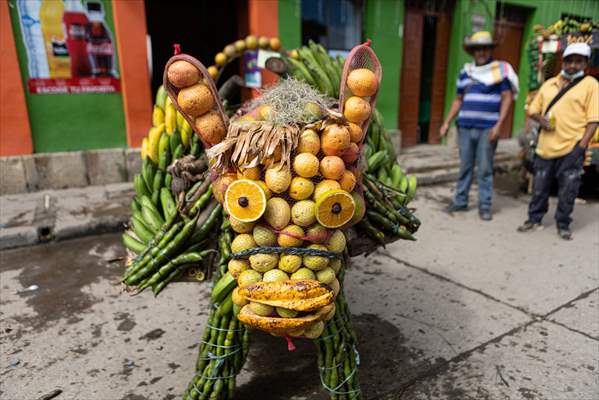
(453, 111)
(544, 122)
(534, 111)
(588, 134)
(506, 102)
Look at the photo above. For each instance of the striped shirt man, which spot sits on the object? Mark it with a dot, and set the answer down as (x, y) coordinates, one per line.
(481, 103)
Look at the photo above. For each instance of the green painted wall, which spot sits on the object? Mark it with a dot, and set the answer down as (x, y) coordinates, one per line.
(65, 122)
(383, 24)
(290, 23)
(543, 12)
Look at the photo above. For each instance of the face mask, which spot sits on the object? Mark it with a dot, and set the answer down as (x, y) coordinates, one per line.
(570, 77)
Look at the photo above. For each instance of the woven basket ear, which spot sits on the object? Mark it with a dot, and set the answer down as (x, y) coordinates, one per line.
(174, 91)
(361, 56)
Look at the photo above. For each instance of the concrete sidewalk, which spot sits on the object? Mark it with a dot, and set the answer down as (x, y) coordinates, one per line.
(30, 218)
(470, 311)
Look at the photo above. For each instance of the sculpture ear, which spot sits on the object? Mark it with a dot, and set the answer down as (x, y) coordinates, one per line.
(205, 78)
(360, 57)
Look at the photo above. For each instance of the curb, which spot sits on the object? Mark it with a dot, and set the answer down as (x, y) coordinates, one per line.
(63, 170)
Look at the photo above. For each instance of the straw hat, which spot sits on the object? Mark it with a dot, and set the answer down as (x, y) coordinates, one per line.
(479, 39)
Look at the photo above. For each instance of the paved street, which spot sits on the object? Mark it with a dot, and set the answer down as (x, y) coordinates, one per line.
(472, 310)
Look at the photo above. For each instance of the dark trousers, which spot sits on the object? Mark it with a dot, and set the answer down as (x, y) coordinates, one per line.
(566, 170)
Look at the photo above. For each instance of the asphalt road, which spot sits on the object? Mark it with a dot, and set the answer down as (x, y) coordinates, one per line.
(472, 310)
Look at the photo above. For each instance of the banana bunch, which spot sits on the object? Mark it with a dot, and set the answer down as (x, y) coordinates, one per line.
(313, 65)
(169, 139)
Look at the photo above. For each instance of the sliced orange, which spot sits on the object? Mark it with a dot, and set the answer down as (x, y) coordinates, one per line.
(335, 208)
(245, 200)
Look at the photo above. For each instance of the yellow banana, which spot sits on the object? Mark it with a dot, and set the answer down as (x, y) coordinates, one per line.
(170, 118)
(157, 116)
(153, 139)
(180, 120)
(144, 148)
(186, 133)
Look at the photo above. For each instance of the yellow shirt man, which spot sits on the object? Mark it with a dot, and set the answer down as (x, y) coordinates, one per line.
(572, 113)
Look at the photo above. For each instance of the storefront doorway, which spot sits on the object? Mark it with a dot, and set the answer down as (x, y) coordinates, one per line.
(201, 28)
(509, 32)
(424, 70)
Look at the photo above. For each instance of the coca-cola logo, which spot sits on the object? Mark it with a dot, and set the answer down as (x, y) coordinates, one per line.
(104, 49)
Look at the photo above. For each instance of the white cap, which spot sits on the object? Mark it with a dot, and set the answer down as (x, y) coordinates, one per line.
(582, 49)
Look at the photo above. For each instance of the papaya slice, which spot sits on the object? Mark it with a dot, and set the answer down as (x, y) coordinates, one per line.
(277, 325)
(294, 294)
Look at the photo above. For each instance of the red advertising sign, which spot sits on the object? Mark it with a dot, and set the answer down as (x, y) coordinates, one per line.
(69, 47)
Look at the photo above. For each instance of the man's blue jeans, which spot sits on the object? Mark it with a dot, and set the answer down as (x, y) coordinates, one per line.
(475, 148)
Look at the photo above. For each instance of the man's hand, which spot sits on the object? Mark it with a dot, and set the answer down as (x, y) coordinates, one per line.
(545, 124)
(444, 129)
(494, 133)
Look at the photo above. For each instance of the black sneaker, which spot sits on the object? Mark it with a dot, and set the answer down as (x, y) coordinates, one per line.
(450, 209)
(485, 215)
(564, 233)
(528, 226)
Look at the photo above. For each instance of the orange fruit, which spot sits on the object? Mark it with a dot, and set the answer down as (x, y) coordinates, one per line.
(351, 154)
(263, 42)
(300, 188)
(213, 71)
(291, 236)
(332, 167)
(245, 200)
(211, 127)
(309, 142)
(239, 45)
(196, 100)
(335, 208)
(356, 110)
(253, 173)
(182, 73)
(278, 213)
(277, 179)
(246, 118)
(220, 59)
(348, 181)
(306, 165)
(275, 43)
(230, 50)
(325, 186)
(241, 227)
(302, 213)
(334, 140)
(355, 133)
(220, 185)
(359, 210)
(264, 112)
(267, 191)
(362, 82)
(251, 42)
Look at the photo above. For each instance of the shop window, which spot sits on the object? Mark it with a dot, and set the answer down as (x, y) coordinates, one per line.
(335, 24)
